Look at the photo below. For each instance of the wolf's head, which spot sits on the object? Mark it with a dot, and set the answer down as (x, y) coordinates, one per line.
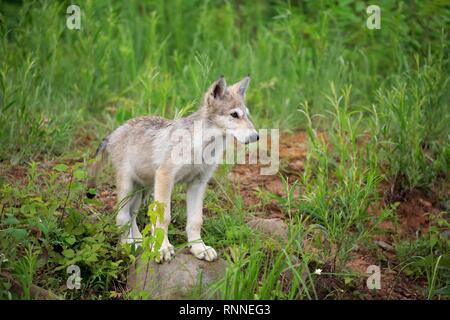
(226, 109)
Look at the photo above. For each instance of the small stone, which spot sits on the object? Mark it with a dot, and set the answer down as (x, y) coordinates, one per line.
(174, 280)
(274, 228)
(384, 245)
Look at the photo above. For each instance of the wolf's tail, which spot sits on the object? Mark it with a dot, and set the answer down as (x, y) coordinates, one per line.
(96, 166)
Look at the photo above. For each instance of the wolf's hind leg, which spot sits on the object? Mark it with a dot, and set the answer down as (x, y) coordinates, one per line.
(125, 199)
(195, 195)
(135, 204)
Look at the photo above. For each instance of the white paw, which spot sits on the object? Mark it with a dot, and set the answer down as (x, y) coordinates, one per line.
(203, 252)
(166, 252)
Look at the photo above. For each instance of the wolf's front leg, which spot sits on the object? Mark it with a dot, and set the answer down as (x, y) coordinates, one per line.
(195, 195)
(163, 188)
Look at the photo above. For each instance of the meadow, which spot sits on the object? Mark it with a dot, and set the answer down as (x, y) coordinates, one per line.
(370, 108)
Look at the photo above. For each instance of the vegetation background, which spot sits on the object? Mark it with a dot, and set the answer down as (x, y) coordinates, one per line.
(374, 105)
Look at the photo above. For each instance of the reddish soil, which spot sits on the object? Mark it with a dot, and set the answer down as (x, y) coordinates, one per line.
(394, 285)
(414, 214)
(292, 156)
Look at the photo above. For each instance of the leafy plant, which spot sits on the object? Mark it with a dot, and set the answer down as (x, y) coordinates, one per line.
(49, 225)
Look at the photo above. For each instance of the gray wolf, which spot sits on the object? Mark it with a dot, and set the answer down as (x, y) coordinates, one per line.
(142, 154)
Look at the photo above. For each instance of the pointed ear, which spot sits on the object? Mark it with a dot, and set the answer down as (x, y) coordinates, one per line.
(241, 86)
(218, 88)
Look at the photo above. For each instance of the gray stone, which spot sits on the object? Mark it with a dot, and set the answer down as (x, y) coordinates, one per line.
(273, 228)
(174, 280)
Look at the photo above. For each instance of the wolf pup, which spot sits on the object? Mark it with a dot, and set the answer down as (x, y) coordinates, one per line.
(141, 151)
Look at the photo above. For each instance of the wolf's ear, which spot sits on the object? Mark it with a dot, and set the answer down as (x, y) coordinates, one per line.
(218, 88)
(241, 86)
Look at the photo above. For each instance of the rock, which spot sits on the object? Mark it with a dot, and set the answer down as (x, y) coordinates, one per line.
(175, 280)
(274, 228)
(383, 245)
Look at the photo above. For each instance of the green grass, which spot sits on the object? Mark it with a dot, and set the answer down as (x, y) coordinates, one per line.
(133, 59)
(375, 104)
(341, 179)
(413, 118)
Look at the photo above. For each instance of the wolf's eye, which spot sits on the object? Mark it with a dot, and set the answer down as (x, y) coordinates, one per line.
(235, 115)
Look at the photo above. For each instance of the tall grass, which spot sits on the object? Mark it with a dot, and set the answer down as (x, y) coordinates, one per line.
(341, 176)
(158, 57)
(413, 123)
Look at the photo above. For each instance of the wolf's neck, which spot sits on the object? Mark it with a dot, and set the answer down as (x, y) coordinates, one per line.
(199, 115)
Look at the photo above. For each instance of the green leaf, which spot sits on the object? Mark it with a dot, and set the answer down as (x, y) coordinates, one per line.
(78, 230)
(70, 240)
(43, 228)
(68, 253)
(11, 220)
(159, 236)
(18, 234)
(61, 167)
(80, 174)
(92, 258)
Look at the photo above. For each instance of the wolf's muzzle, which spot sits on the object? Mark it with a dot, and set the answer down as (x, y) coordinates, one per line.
(252, 138)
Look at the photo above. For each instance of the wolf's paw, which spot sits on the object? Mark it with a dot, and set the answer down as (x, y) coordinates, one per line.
(166, 252)
(203, 252)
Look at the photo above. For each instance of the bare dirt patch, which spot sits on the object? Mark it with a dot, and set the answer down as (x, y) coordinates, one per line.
(293, 150)
(414, 213)
(394, 284)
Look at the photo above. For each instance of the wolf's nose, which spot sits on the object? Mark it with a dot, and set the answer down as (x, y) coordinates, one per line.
(254, 137)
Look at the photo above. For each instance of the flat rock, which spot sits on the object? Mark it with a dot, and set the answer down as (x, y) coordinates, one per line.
(273, 228)
(174, 280)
